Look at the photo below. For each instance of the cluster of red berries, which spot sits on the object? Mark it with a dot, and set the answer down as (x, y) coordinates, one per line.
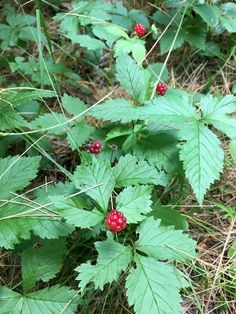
(139, 30)
(95, 147)
(161, 89)
(115, 221)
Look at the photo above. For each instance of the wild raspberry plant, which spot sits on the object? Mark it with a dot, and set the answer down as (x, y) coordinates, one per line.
(152, 136)
(155, 133)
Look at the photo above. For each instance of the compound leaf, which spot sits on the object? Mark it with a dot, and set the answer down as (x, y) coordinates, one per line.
(130, 171)
(209, 13)
(168, 38)
(53, 123)
(73, 105)
(202, 157)
(79, 135)
(18, 220)
(55, 299)
(76, 216)
(98, 173)
(152, 287)
(135, 202)
(217, 112)
(116, 106)
(90, 43)
(164, 242)
(42, 263)
(10, 118)
(172, 108)
(131, 77)
(16, 173)
(113, 258)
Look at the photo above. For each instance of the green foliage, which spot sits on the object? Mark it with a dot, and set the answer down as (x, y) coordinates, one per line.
(99, 177)
(16, 173)
(150, 144)
(131, 171)
(115, 106)
(202, 157)
(134, 202)
(42, 263)
(217, 112)
(132, 77)
(164, 242)
(147, 287)
(17, 27)
(113, 258)
(19, 219)
(76, 216)
(49, 300)
(170, 217)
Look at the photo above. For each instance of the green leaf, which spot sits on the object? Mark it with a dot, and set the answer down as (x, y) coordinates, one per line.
(168, 38)
(55, 299)
(135, 202)
(10, 118)
(18, 220)
(90, 43)
(160, 150)
(118, 132)
(232, 149)
(122, 46)
(216, 112)
(138, 49)
(98, 173)
(202, 157)
(16, 173)
(213, 106)
(115, 30)
(101, 33)
(109, 32)
(170, 217)
(42, 263)
(75, 216)
(155, 70)
(53, 123)
(164, 242)
(116, 106)
(79, 135)
(16, 97)
(70, 27)
(113, 258)
(211, 49)
(131, 77)
(209, 13)
(195, 36)
(172, 108)
(152, 287)
(130, 171)
(73, 105)
(228, 18)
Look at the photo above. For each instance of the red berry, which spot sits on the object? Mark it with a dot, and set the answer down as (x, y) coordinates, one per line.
(161, 89)
(139, 29)
(116, 221)
(95, 147)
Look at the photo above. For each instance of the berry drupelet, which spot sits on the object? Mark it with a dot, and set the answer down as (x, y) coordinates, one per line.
(95, 147)
(139, 30)
(115, 221)
(161, 89)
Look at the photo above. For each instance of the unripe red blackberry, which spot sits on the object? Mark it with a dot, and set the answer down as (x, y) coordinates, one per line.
(139, 30)
(161, 89)
(95, 147)
(115, 221)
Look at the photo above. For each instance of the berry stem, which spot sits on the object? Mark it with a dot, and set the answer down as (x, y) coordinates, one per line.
(168, 55)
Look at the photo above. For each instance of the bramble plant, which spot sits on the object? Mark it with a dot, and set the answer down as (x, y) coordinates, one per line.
(100, 225)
